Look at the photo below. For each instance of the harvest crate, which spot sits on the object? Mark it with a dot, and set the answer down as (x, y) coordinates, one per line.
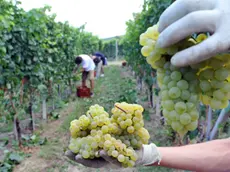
(83, 92)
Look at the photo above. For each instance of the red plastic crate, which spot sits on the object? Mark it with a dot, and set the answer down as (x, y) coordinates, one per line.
(83, 92)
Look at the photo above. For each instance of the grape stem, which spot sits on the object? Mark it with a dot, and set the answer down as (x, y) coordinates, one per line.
(121, 109)
(90, 115)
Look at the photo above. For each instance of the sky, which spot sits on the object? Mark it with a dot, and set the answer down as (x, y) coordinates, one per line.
(104, 18)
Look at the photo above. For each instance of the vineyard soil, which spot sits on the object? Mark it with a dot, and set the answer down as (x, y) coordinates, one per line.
(113, 87)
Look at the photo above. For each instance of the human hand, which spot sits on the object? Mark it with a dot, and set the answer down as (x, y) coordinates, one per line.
(185, 17)
(148, 155)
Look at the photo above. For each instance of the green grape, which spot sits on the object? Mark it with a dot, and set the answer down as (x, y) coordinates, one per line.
(134, 142)
(173, 115)
(128, 122)
(152, 33)
(176, 125)
(190, 76)
(104, 129)
(215, 104)
(217, 84)
(107, 143)
(224, 104)
(192, 126)
(193, 98)
(143, 39)
(97, 138)
(93, 124)
(219, 95)
(160, 63)
(164, 87)
(194, 115)
(85, 154)
(185, 95)
(138, 114)
(168, 104)
(180, 107)
(185, 119)
(225, 87)
(123, 125)
(135, 119)
(130, 129)
(207, 74)
(205, 85)
(215, 63)
(172, 84)
(121, 158)
(176, 76)
(221, 74)
(94, 145)
(174, 92)
(182, 132)
(166, 113)
(115, 154)
(182, 84)
(134, 157)
(146, 50)
(190, 106)
(107, 137)
(128, 116)
(166, 79)
(193, 88)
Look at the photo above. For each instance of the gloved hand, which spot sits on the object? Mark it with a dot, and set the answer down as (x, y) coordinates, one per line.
(185, 17)
(148, 155)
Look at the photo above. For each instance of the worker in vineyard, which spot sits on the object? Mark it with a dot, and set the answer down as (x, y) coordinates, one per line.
(181, 19)
(98, 64)
(101, 64)
(88, 70)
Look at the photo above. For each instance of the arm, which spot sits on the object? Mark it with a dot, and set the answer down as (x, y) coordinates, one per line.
(75, 69)
(211, 156)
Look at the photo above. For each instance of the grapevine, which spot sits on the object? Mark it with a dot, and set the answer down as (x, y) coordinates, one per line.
(119, 135)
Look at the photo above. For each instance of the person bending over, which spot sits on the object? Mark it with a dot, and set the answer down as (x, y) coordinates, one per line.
(88, 70)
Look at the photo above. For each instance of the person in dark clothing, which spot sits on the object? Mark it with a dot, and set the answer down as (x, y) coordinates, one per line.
(103, 59)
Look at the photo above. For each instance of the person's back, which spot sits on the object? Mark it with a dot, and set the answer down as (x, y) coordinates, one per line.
(87, 62)
(101, 56)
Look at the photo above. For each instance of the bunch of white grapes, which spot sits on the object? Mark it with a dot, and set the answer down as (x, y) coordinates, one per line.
(183, 88)
(119, 135)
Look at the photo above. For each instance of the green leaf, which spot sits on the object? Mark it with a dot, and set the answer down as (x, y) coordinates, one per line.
(33, 137)
(3, 50)
(50, 60)
(15, 157)
(43, 141)
(25, 137)
(193, 134)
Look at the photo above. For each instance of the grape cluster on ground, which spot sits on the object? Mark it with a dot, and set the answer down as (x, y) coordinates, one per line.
(119, 135)
(182, 88)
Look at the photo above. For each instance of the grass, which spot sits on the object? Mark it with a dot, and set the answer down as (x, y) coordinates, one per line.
(51, 149)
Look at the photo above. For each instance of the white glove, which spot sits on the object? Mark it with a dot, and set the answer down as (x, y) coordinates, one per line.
(185, 17)
(148, 155)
